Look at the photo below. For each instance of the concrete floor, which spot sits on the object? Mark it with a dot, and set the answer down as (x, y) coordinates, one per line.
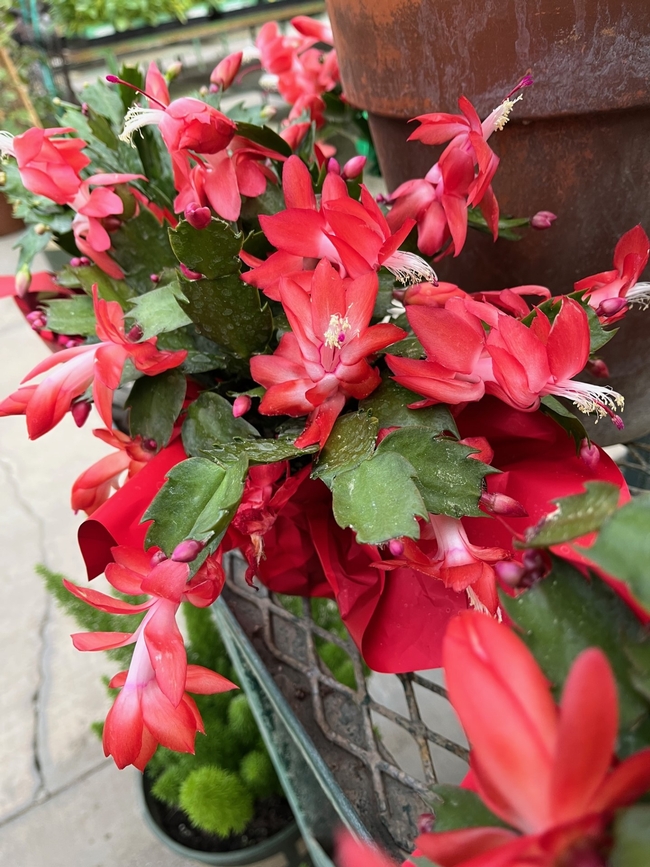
(61, 803)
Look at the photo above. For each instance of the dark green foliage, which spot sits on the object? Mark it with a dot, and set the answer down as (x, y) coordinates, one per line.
(216, 800)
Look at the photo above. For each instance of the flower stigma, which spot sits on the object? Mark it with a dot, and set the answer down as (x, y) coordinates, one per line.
(336, 332)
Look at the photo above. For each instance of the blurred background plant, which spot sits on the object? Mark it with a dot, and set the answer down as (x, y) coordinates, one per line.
(73, 18)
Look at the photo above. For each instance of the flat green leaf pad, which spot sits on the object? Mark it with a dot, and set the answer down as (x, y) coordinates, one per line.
(379, 499)
(575, 515)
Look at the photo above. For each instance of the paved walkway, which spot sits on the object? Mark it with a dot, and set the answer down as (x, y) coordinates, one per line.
(61, 803)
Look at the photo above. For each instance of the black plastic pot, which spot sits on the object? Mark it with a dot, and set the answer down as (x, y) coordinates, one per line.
(284, 849)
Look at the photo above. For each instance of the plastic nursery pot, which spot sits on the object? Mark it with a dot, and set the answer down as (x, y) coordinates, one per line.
(576, 143)
(284, 849)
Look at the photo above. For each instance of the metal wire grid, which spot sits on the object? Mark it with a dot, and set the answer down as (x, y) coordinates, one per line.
(290, 640)
(635, 465)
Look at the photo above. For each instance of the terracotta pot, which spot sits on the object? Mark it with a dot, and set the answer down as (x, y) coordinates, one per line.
(577, 143)
(8, 224)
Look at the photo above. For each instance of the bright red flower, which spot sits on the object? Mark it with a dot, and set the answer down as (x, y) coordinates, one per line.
(268, 489)
(225, 71)
(445, 553)
(48, 164)
(76, 369)
(156, 86)
(544, 770)
(186, 124)
(92, 206)
(517, 363)
(153, 706)
(460, 179)
(351, 852)
(352, 235)
(322, 361)
(303, 72)
(95, 485)
(221, 179)
(457, 363)
(630, 258)
(528, 363)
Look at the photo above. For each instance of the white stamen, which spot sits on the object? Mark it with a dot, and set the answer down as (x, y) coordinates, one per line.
(336, 332)
(410, 268)
(502, 112)
(599, 399)
(6, 144)
(475, 602)
(269, 82)
(639, 294)
(136, 118)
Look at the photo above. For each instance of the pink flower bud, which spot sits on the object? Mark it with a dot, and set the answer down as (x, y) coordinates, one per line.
(155, 278)
(509, 573)
(36, 319)
(543, 220)
(187, 551)
(196, 216)
(425, 823)
(157, 558)
(590, 454)
(75, 262)
(174, 70)
(189, 274)
(241, 405)
(84, 109)
(80, 412)
(354, 167)
(149, 445)
(598, 368)
(535, 567)
(135, 333)
(225, 71)
(396, 547)
(333, 166)
(500, 504)
(23, 281)
(611, 306)
(84, 261)
(214, 88)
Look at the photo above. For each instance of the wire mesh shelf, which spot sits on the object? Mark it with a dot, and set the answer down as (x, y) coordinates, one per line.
(635, 465)
(386, 738)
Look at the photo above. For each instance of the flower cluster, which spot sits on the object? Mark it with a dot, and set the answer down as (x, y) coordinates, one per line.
(153, 706)
(300, 71)
(302, 388)
(459, 180)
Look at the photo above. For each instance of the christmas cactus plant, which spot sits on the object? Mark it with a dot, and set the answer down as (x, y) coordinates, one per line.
(301, 387)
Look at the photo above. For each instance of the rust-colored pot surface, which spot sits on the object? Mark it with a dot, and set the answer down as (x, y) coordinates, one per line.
(578, 143)
(7, 222)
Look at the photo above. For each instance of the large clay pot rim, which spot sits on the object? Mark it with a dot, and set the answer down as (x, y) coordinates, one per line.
(401, 58)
